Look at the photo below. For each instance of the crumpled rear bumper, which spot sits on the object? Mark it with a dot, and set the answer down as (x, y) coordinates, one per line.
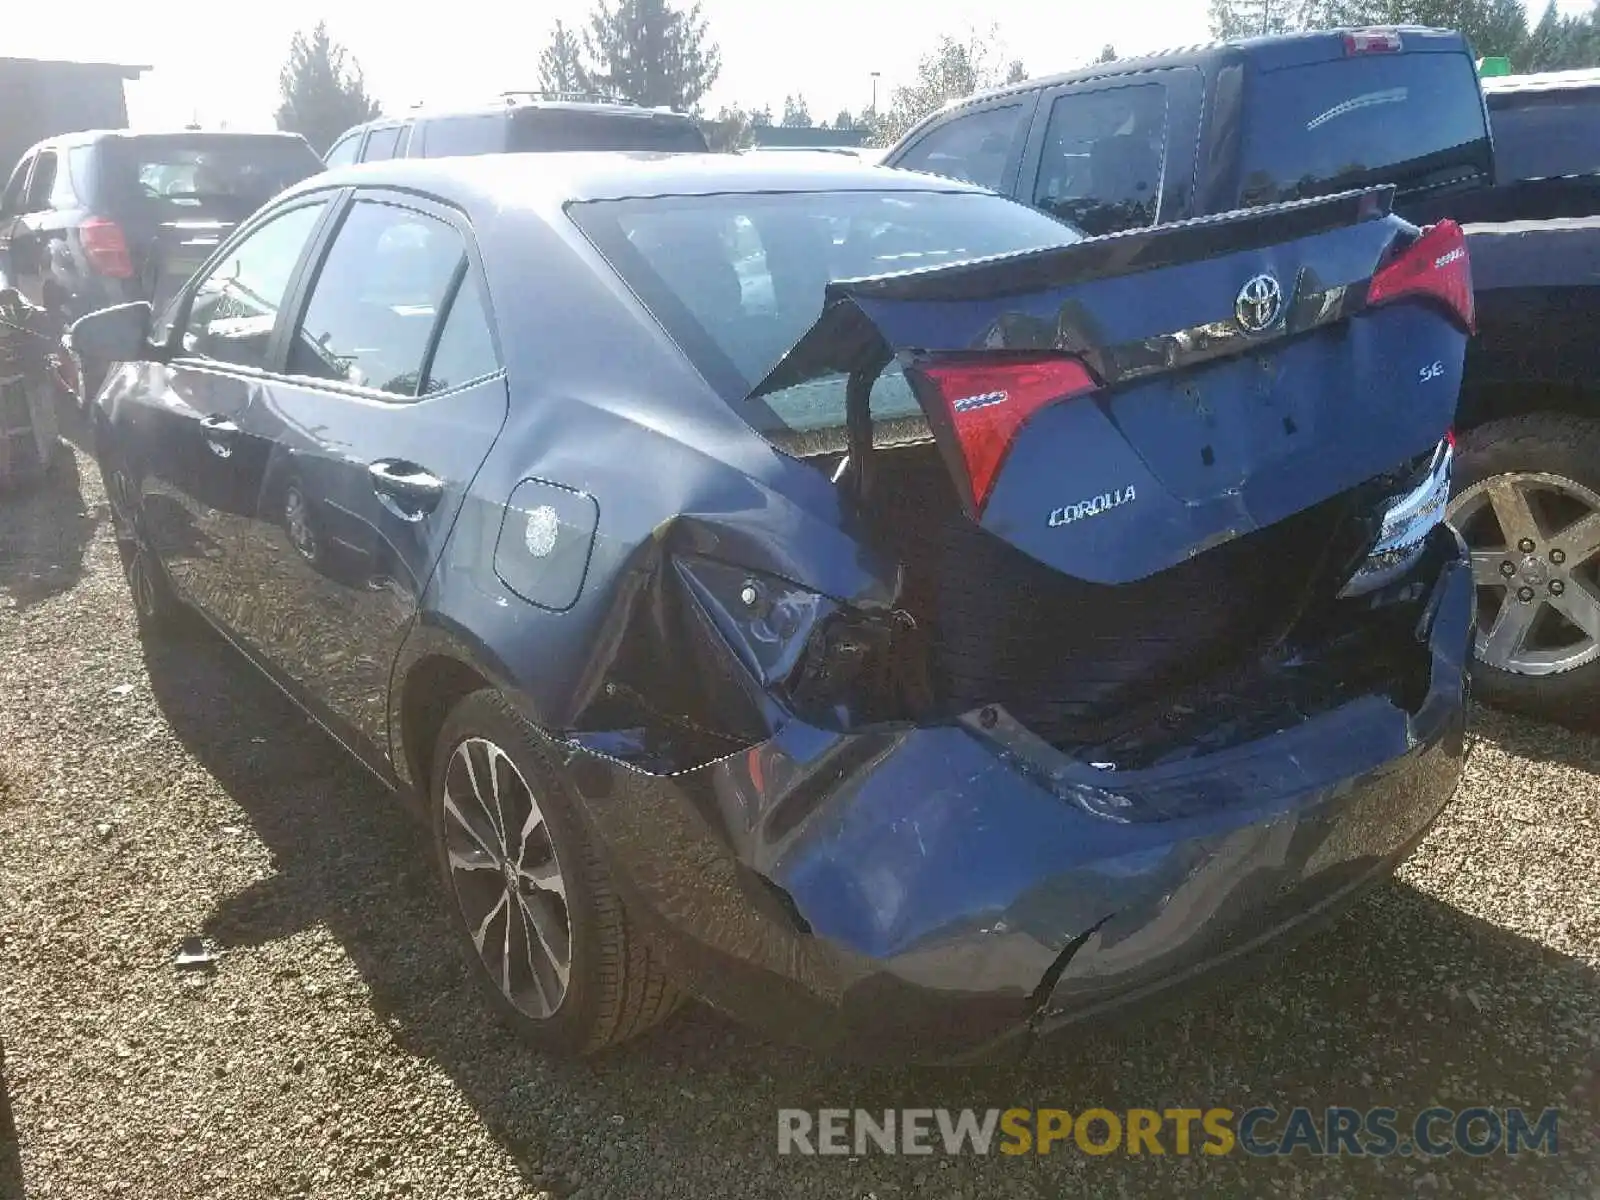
(931, 893)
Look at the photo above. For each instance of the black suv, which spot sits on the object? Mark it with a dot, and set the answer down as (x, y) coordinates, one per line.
(98, 218)
(519, 122)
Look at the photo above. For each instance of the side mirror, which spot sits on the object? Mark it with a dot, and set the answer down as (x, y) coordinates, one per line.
(112, 335)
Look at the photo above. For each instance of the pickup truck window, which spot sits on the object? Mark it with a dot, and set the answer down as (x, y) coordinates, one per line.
(975, 147)
(1413, 120)
(1101, 165)
(1545, 136)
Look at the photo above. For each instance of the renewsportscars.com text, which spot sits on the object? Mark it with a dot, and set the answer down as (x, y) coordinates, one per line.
(1259, 1131)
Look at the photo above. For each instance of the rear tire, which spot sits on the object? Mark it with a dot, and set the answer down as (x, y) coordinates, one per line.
(156, 607)
(572, 973)
(1538, 643)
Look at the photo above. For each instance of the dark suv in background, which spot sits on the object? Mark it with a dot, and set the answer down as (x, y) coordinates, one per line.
(98, 218)
(519, 122)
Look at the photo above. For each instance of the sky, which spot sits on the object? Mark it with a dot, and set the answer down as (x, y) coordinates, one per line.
(225, 70)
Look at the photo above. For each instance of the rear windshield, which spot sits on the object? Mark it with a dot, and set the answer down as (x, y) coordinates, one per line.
(565, 129)
(736, 279)
(189, 172)
(1413, 120)
(1544, 136)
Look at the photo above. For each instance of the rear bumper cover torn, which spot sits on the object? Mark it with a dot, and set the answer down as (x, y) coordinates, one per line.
(937, 892)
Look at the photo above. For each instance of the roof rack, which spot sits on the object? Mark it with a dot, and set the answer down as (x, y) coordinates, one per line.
(513, 97)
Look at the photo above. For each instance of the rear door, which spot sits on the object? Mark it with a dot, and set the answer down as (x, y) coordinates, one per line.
(1115, 154)
(390, 398)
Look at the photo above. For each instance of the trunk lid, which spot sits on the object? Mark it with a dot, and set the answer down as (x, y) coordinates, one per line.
(1116, 407)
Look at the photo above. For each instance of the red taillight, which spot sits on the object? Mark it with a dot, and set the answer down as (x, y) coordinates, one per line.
(1435, 265)
(106, 248)
(989, 399)
(1373, 41)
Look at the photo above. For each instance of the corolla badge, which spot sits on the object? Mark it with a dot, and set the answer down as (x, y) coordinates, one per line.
(1094, 506)
(1259, 304)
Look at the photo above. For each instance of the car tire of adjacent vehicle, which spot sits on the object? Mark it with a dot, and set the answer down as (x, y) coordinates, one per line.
(1544, 467)
(156, 606)
(539, 920)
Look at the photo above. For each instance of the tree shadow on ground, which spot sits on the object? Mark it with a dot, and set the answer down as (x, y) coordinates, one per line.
(1407, 1002)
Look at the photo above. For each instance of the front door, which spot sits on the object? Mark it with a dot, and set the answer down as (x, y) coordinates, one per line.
(200, 470)
(391, 400)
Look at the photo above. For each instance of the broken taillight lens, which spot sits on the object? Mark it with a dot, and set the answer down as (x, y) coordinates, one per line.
(1405, 523)
(1435, 267)
(988, 399)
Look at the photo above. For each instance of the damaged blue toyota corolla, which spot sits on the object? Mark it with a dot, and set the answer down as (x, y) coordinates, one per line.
(843, 595)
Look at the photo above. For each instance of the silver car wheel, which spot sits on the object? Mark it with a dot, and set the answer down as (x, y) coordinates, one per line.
(1535, 542)
(507, 878)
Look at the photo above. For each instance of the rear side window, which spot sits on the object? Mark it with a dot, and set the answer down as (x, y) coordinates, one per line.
(382, 144)
(548, 129)
(344, 151)
(448, 137)
(737, 279)
(1413, 120)
(975, 147)
(1101, 166)
(1544, 136)
(377, 298)
(466, 347)
(80, 165)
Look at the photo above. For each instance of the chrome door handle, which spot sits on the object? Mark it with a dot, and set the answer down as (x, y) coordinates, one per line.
(219, 433)
(408, 490)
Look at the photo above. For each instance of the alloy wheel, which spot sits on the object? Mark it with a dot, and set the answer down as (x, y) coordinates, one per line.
(137, 565)
(1535, 543)
(507, 878)
(297, 520)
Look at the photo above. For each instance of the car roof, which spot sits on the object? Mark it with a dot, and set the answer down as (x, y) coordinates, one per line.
(513, 102)
(554, 179)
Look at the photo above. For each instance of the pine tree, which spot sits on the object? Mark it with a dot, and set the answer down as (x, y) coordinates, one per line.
(322, 97)
(796, 113)
(561, 64)
(651, 53)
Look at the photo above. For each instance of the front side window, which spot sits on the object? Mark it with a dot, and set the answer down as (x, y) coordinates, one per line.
(377, 298)
(974, 148)
(1101, 166)
(236, 305)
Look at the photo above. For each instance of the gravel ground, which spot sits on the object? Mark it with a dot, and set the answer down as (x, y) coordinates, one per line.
(339, 1050)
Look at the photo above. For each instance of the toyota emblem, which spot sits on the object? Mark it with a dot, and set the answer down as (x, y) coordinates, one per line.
(1259, 304)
